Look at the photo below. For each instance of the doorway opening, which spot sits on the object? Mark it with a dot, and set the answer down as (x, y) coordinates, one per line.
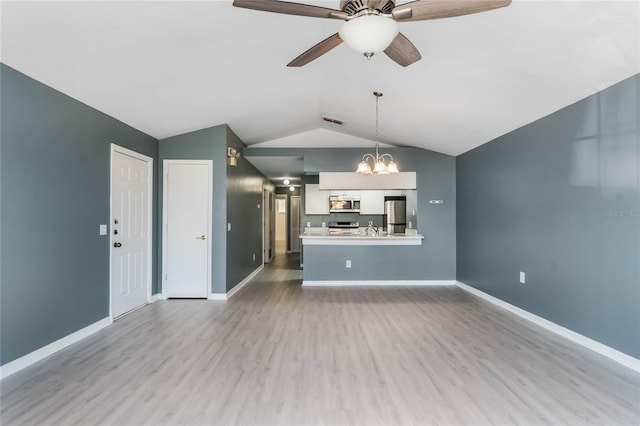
(281, 224)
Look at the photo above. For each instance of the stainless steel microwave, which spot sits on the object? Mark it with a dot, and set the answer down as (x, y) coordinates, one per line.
(344, 203)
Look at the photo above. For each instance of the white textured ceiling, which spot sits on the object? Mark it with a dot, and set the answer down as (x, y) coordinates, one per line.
(171, 67)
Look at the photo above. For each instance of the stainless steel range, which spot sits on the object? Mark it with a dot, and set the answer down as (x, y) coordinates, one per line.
(343, 227)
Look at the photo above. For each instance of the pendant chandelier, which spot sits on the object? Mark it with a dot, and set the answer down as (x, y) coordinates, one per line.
(382, 164)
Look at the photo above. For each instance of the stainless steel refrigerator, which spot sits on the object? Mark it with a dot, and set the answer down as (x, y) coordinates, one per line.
(395, 214)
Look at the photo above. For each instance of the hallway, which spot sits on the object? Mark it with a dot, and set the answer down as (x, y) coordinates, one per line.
(277, 353)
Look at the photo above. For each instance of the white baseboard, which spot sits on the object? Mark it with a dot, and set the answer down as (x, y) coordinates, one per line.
(609, 352)
(39, 354)
(307, 283)
(156, 297)
(244, 282)
(217, 296)
(237, 287)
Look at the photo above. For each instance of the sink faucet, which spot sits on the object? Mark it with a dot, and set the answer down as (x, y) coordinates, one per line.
(373, 229)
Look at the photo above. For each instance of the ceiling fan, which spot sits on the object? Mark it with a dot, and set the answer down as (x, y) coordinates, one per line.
(371, 26)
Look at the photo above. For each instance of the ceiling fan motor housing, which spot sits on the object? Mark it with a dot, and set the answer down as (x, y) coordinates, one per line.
(357, 7)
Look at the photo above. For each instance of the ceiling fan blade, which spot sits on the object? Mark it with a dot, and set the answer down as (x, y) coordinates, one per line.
(435, 9)
(316, 51)
(291, 8)
(402, 51)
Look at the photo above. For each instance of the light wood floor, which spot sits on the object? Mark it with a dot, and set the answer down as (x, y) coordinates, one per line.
(280, 354)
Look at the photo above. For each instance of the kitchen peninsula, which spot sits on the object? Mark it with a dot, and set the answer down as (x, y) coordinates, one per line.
(360, 259)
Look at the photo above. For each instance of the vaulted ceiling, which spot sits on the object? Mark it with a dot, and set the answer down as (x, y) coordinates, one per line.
(171, 67)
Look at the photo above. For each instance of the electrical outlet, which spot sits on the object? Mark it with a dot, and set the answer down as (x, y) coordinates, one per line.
(522, 277)
(229, 226)
(103, 230)
(348, 264)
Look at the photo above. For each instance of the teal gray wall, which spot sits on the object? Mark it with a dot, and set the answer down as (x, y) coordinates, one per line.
(237, 191)
(560, 200)
(436, 179)
(55, 186)
(244, 211)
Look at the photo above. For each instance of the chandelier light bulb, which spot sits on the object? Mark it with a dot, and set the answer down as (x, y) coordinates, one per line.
(380, 168)
(392, 167)
(364, 168)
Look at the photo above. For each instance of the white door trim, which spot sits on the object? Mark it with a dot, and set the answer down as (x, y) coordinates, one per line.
(165, 177)
(122, 150)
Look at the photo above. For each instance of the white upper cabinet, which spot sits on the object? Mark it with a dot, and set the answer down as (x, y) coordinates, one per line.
(316, 201)
(355, 181)
(345, 193)
(372, 202)
(395, 192)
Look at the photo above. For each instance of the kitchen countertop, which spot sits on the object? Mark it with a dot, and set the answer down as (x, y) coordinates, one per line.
(321, 236)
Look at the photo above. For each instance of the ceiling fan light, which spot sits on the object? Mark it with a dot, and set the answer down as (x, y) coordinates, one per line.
(392, 167)
(363, 168)
(369, 33)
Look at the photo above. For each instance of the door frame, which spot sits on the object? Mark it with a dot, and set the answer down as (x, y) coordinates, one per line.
(165, 187)
(149, 160)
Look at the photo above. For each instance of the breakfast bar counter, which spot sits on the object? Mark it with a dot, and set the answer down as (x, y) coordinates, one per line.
(360, 259)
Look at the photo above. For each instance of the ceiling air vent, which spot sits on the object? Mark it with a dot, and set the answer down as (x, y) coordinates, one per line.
(332, 120)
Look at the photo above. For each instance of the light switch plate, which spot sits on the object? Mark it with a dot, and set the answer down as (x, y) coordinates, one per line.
(229, 226)
(103, 229)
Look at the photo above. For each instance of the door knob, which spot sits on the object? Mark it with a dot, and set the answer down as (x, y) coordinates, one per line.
(116, 245)
(201, 237)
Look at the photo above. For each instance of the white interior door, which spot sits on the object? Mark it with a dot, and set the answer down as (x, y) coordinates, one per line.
(130, 230)
(187, 224)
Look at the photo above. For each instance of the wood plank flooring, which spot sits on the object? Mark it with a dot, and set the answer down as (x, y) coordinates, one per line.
(278, 354)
